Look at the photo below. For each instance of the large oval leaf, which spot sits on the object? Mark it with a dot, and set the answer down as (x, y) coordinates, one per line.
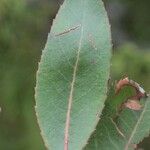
(72, 77)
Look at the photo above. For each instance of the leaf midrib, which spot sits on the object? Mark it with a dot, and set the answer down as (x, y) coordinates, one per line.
(70, 99)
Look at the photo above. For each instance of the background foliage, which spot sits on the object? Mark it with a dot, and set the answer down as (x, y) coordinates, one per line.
(23, 30)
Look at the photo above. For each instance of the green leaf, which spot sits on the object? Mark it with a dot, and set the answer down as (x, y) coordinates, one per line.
(128, 130)
(73, 73)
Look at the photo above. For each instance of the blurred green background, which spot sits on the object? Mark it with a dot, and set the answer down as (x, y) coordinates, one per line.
(24, 25)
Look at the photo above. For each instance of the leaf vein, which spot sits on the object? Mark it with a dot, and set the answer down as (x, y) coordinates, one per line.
(70, 99)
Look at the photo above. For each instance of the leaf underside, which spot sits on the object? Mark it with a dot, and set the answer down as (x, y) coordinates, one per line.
(124, 132)
(72, 77)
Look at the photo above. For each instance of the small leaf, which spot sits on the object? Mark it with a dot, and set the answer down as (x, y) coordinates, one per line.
(72, 77)
(123, 132)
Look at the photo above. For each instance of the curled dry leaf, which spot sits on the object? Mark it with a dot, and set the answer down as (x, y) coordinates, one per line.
(140, 92)
(132, 102)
